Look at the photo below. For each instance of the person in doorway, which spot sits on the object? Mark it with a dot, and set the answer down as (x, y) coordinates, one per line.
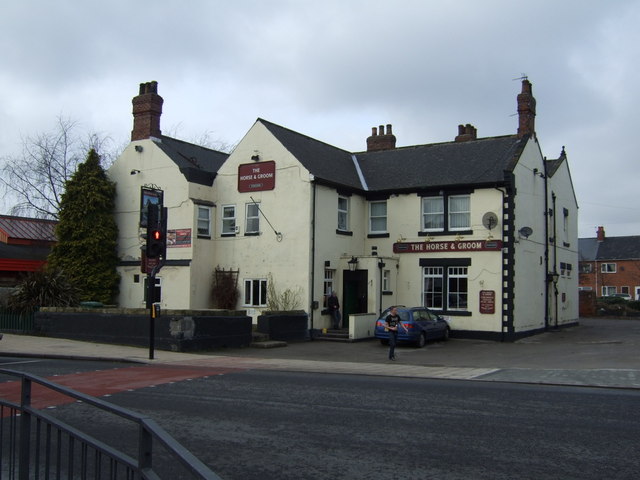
(334, 309)
(392, 324)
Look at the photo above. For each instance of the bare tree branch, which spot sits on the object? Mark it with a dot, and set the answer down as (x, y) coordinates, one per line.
(37, 177)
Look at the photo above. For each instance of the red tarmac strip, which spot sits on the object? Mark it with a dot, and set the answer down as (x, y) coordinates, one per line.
(106, 382)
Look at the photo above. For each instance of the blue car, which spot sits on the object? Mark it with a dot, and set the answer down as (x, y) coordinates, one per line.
(422, 325)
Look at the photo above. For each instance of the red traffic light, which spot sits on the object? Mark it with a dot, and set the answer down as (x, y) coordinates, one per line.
(157, 235)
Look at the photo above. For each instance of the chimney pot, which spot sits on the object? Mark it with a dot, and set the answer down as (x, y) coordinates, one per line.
(526, 110)
(379, 140)
(147, 109)
(600, 234)
(466, 133)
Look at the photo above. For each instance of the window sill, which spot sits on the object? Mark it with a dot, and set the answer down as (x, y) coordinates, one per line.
(204, 237)
(251, 234)
(224, 235)
(453, 313)
(378, 235)
(387, 292)
(344, 232)
(443, 233)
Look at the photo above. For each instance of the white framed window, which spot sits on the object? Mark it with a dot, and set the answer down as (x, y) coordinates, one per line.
(585, 267)
(343, 213)
(458, 290)
(459, 212)
(328, 287)
(433, 287)
(252, 218)
(255, 292)
(432, 214)
(378, 217)
(446, 288)
(228, 219)
(386, 280)
(606, 291)
(608, 268)
(204, 221)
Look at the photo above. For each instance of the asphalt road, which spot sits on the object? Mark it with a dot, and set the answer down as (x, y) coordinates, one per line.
(263, 425)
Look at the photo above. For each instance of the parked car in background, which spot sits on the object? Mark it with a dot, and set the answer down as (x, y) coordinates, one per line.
(422, 325)
(626, 296)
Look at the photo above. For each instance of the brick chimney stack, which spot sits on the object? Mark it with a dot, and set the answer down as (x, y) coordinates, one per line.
(379, 140)
(600, 234)
(147, 108)
(466, 133)
(526, 111)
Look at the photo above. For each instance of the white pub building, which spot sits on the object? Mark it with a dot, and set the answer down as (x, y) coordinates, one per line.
(481, 230)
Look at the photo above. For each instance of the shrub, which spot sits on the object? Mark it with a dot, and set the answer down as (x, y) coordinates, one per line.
(282, 301)
(44, 289)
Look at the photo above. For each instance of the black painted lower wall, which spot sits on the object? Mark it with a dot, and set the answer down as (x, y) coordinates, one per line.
(287, 327)
(175, 332)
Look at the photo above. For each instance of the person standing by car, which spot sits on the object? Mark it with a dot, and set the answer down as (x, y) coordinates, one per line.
(334, 309)
(392, 323)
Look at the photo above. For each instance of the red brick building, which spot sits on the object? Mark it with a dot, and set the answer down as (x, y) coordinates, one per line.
(25, 244)
(610, 265)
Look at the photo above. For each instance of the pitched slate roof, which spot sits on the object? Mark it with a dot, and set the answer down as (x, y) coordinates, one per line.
(197, 164)
(325, 161)
(478, 162)
(26, 230)
(611, 248)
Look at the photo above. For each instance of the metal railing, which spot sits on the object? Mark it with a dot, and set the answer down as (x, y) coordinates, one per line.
(15, 322)
(36, 445)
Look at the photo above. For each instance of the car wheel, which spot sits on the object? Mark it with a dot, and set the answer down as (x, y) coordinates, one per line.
(384, 341)
(445, 337)
(422, 340)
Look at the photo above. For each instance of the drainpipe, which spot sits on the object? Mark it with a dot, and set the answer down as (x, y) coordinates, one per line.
(510, 246)
(555, 256)
(313, 256)
(546, 246)
(381, 265)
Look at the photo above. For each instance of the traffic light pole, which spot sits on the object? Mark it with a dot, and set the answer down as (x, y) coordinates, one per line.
(151, 284)
(156, 248)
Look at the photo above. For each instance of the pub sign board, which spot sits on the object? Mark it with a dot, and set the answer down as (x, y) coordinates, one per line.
(487, 301)
(441, 247)
(256, 177)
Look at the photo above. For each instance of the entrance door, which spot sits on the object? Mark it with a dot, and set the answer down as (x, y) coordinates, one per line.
(354, 294)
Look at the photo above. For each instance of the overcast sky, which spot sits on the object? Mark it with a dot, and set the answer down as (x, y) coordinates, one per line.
(336, 68)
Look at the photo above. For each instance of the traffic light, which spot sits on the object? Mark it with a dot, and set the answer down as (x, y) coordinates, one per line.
(156, 231)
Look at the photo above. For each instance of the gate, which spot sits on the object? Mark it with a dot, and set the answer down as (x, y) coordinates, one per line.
(37, 445)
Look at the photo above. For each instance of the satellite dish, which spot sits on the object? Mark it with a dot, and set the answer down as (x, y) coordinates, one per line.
(490, 220)
(525, 232)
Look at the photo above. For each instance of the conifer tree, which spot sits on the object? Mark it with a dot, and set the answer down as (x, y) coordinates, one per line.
(87, 233)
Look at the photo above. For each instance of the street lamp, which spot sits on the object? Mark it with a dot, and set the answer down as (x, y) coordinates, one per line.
(353, 263)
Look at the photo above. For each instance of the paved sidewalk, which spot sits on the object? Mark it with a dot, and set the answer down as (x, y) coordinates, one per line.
(599, 352)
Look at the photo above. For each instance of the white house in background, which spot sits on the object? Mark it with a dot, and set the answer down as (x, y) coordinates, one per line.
(473, 228)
